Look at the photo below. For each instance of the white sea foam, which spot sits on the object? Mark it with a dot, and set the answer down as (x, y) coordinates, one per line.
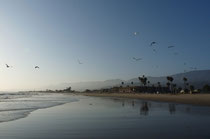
(18, 105)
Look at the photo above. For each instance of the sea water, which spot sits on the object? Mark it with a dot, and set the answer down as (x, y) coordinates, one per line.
(16, 105)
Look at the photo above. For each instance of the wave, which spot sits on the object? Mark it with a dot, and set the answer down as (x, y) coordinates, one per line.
(14, 106)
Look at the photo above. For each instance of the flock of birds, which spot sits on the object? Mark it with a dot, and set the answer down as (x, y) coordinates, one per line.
(153, 44)
(9, 66)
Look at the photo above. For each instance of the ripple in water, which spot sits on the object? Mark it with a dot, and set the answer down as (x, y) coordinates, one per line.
(19, 105)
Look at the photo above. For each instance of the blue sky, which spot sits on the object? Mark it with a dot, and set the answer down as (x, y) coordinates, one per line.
(54, 34)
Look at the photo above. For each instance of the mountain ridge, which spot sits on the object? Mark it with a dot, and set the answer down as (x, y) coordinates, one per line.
(198, 78)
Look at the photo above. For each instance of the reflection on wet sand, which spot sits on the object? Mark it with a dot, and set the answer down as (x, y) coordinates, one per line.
(123, 103)
(172, 108)
(144, 110)
(133, 103)
(146, 107)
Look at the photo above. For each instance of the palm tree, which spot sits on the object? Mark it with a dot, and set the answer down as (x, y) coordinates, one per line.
(185, 81)
(140, 79)
(148, 82)
(174, 88)
(143, 80)
(132, 83)
(191, 88)
(132, 86)
(170, 79)
(168, 84)
(122, 83)
(159, 86)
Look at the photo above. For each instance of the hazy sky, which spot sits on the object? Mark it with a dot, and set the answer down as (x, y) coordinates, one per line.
(54, 34)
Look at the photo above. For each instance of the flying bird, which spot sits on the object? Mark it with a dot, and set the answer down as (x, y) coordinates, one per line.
(36, 67)
(8, 66)
(153, 43)
(136, 33)
(79, 62)
(171, 46)
(137, 59)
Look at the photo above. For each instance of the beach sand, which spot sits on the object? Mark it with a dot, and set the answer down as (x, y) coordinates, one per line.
(103, 117)
(195, 99)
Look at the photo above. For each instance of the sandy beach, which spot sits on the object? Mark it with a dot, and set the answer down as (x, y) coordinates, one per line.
(103, 117)
(194, 99)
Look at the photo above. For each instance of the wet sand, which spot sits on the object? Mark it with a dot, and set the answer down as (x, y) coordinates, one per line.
(194, 99)
(102, 117)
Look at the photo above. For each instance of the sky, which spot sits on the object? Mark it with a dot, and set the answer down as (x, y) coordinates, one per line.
(56, 34)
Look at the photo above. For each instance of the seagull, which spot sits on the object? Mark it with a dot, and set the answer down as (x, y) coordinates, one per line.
(8, 66)
(79, 61)
(153, 43)
(136, 33)
(171, 46)
(137, 59)
(36, 67)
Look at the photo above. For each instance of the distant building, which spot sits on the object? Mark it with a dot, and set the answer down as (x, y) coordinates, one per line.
(125, 89)
(141, 89)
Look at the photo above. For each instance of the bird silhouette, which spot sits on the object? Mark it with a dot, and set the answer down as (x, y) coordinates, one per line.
(79, 62)
(8, 66)
(136, 33)
(36, 67)
(153, 43)
(137, 59)
(171, 46)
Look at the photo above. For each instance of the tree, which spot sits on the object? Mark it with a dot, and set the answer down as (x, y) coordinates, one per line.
(132, 83)
(206, 88)
(174, 88)
(122, 83)
(148, 82)
(185, 82)
(68, 89)
(159, 85)
(143, 80)
(168, 85)
(170, 79)
(191, 88)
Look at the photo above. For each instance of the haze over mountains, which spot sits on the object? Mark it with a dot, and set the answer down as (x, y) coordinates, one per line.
(197, 78)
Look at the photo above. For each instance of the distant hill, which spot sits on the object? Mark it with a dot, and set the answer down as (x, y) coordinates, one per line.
(197, 78)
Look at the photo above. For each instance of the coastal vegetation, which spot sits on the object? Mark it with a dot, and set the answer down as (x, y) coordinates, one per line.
(145, 86)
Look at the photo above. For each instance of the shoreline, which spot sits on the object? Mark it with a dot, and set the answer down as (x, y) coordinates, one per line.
(193, 99)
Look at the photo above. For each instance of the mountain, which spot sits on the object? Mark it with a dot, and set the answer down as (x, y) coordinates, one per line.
(81, 86)
(197, 78)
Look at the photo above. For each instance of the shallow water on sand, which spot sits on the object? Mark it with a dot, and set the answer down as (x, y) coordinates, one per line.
(95, 117)
(18, 105)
